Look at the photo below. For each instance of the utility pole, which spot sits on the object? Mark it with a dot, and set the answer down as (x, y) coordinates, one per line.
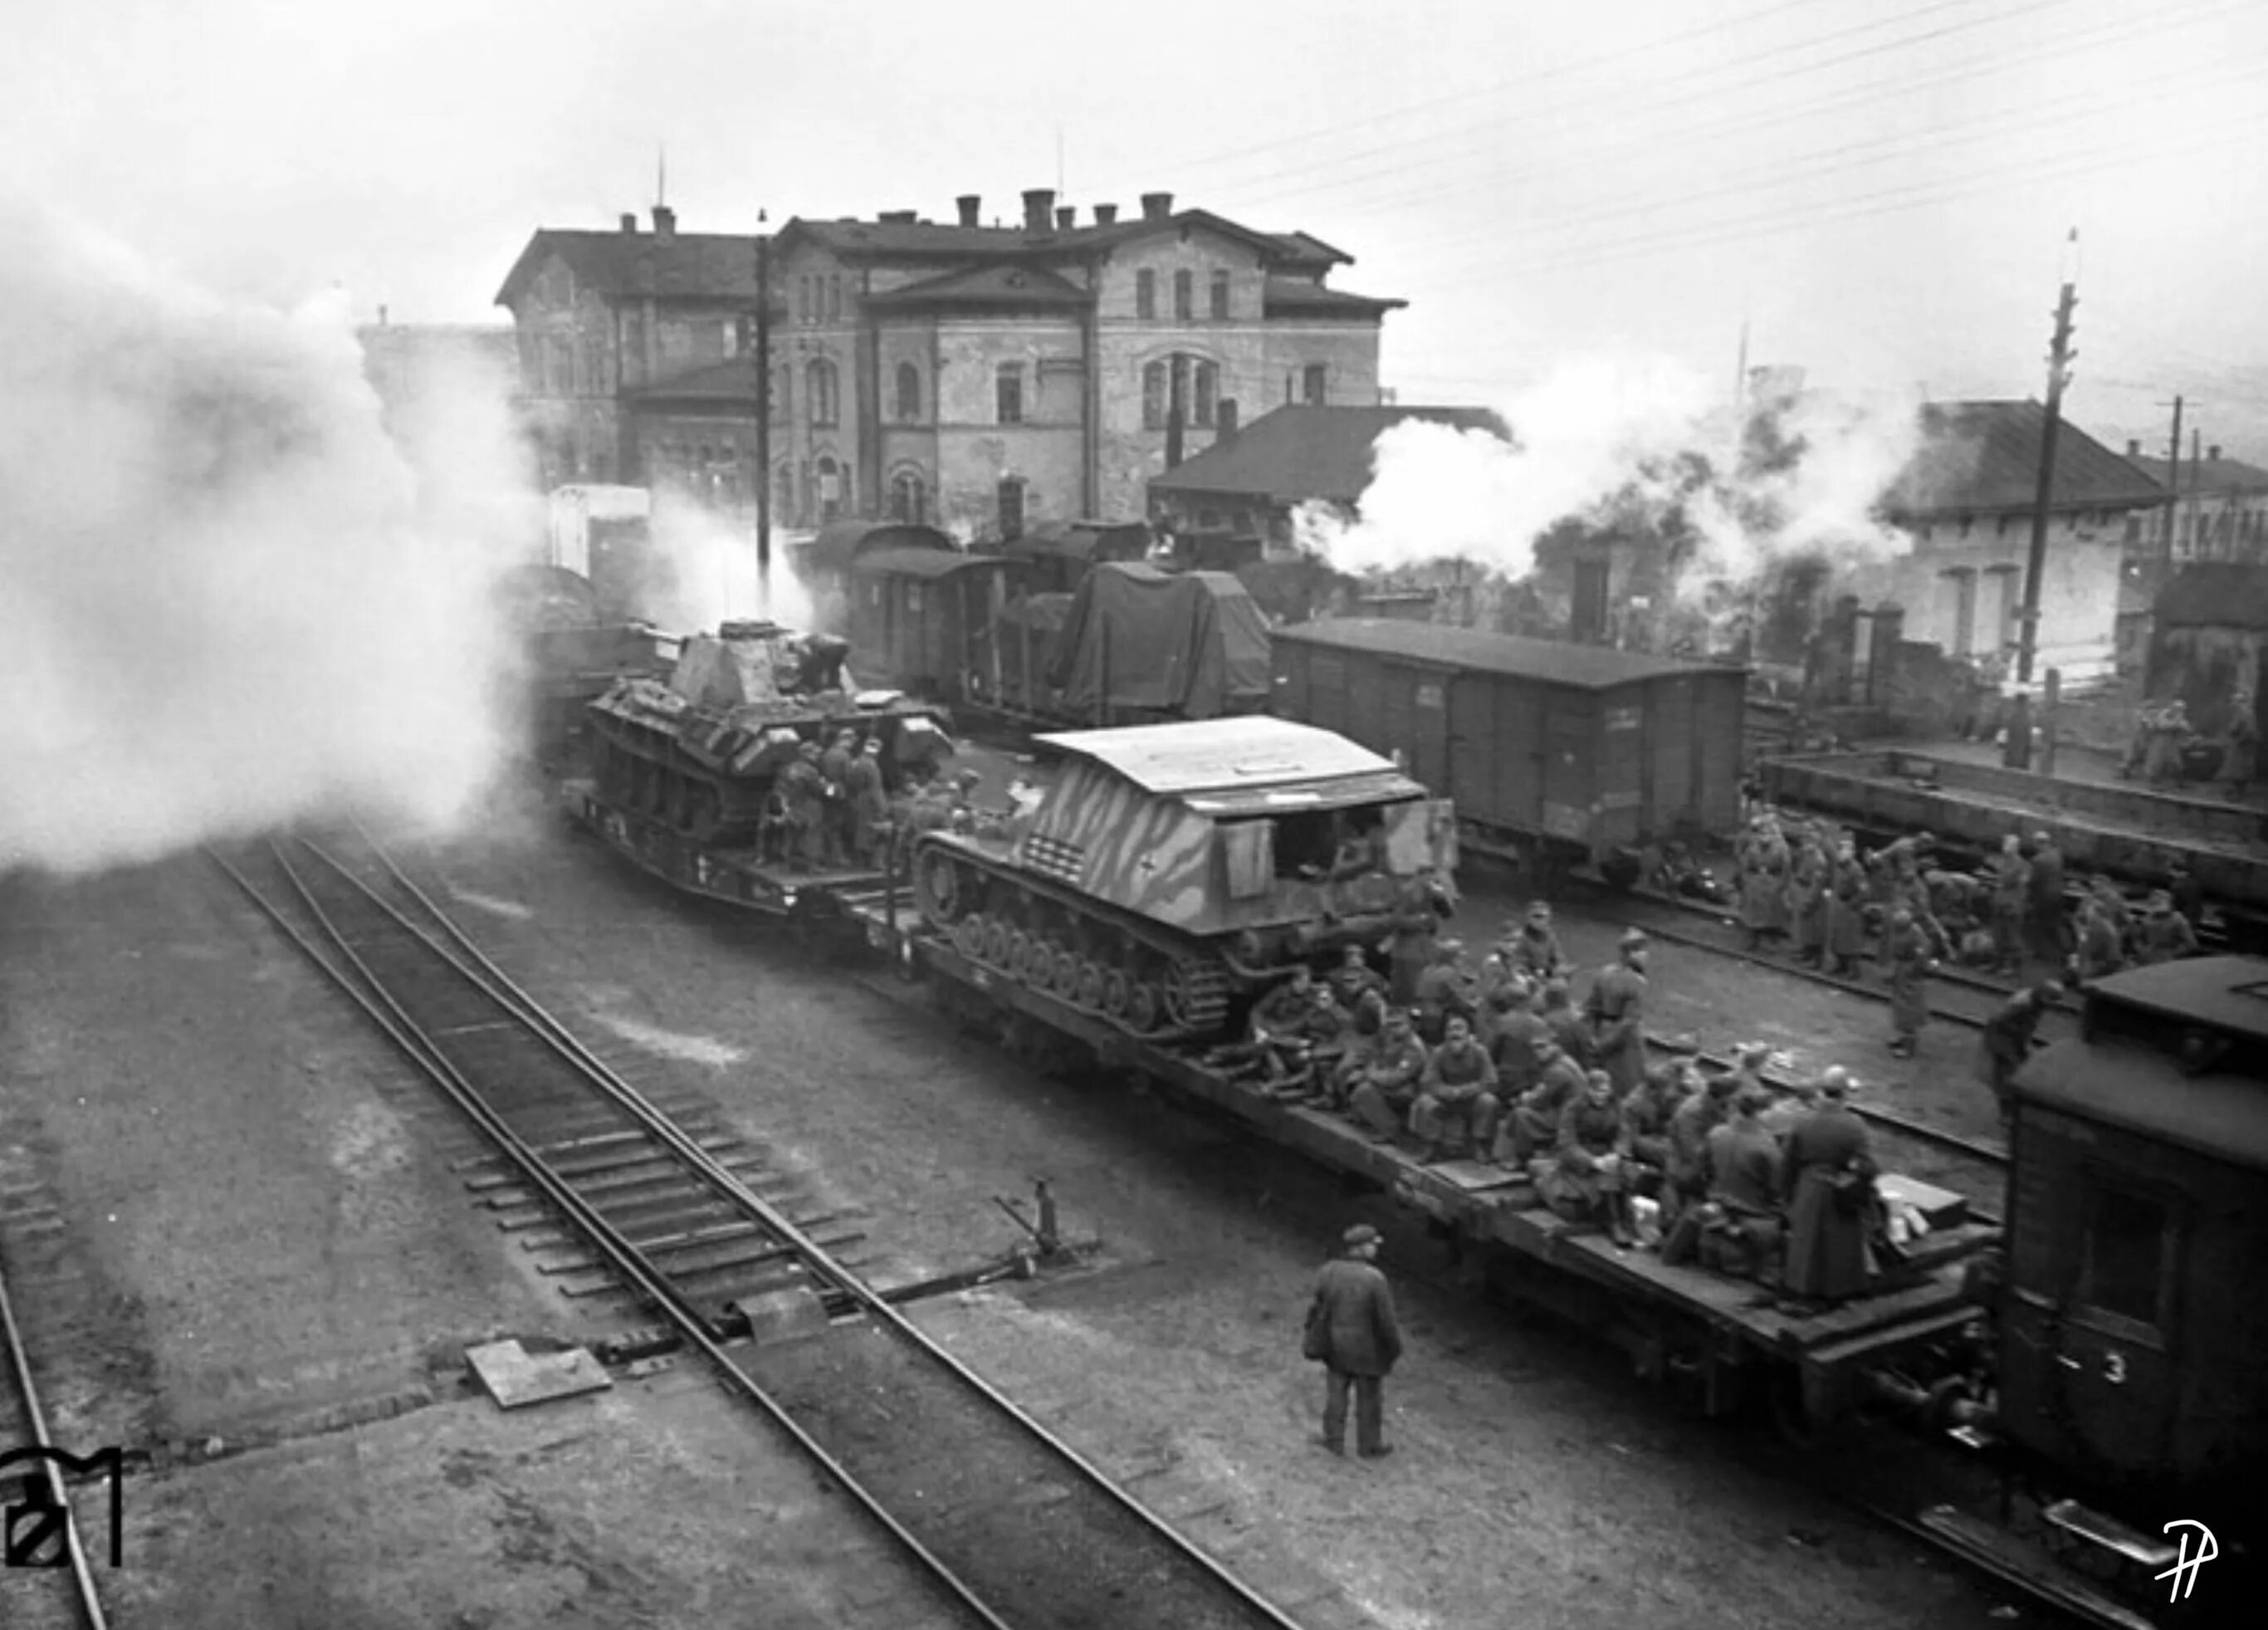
(2172, 495)
(763, 337)
(2059, 357)
(2197, 494)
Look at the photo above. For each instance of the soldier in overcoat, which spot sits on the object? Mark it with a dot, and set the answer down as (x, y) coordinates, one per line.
(1826, 1181)
(1616, 1011)
(1906, 947)
(1353, 1333)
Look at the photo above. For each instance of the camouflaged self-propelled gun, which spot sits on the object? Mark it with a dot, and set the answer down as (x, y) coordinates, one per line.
(702, 753)
(1172, 868)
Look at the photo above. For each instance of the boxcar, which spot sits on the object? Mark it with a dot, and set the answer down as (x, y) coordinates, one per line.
(1058, 555)
(1578, 748)
(2134, 1338)
(923, 620)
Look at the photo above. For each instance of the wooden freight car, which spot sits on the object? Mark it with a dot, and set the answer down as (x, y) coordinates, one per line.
(1569, 750)
(924, 620)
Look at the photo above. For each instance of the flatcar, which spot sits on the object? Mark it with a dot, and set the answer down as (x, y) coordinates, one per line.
(1549, 750)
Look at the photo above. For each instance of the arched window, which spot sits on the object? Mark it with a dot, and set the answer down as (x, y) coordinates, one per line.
(909, 497)
(910, 401)
(1184, 297)
(832, 499)
(819, 391)
(1153, 396)
(1220, 296)
(1204, 393)
(1145, 293)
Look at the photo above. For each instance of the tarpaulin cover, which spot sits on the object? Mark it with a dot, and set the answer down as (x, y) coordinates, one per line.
(1192, 644)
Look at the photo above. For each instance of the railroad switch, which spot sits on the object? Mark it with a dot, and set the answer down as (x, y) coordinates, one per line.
(1046, 1246)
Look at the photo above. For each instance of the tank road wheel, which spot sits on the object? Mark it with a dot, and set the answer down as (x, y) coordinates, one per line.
(1117, 989)
(1087, 986)
(937, 884)
(1145, 1008)
(969, 936)
(996, 942)
(1066, 975)
(1196, 995)
(1018, 957)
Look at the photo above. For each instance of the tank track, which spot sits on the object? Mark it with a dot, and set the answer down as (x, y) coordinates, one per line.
(1145, 979)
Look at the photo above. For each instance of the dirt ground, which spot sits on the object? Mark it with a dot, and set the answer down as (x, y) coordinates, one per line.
(259, 1226)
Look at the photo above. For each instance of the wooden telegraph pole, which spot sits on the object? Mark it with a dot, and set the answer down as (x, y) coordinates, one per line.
(2060, 355)
(763, 338)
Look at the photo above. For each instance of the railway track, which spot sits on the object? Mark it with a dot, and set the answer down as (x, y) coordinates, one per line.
(1014, 1527)
(52, 1587)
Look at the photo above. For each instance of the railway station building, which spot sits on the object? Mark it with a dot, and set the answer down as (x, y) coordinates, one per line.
(981, 377)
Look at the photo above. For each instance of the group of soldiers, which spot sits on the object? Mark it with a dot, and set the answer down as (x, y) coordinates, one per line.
(1805, 884)
(830, 807)
(1500, 1064)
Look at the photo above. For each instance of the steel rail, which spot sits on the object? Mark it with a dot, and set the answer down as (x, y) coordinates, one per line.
(90, 1600)
(386, 1013)
(533, 1013)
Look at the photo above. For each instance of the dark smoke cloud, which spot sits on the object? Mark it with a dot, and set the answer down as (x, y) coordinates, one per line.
(228, 596)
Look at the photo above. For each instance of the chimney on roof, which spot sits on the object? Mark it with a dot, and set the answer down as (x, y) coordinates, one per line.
(382, 316)
(2213, 453)
(968, 203)
(630, 223)
(2133, 447)
(895, 218)
(1156, 206)
(1105, 214)
(1037, 201)
(1066, 216)
(665, 223)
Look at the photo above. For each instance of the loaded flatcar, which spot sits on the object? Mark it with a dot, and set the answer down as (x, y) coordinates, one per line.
(1553, 750)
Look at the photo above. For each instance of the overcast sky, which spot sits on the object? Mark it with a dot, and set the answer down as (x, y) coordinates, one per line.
(1879, 190)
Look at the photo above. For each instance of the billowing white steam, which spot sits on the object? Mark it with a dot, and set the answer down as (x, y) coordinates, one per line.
(1617, 444)
(711, 573)
(230, 598)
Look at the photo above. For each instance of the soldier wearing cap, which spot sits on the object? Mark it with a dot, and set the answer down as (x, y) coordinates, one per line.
(1826, 1181)
(1617, 1012)
(835, 773)
(1385, 1087)
(870, 802)
(1444, 989)
(2050, 932)
(1744, 1188)
(804, 788)
(1533, 1124)
(2008, 1038)
(1353, 1333)
(1533, 950)
(2163, 934)
(1689, 1126)
(1457, 1095)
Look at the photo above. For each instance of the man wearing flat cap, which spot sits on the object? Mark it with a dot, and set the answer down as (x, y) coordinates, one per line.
(1352, 1332)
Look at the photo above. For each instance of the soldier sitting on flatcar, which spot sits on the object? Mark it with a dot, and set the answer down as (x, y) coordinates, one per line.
(1353, 976)
(1585, 1180)
(1387, 1085)
(1740, 1227)
(1445, 991)
(1533, 950)
(1273, 1028)
(1645, 1141)
(1365, 1027)
(1457, 1095)
(1568, 1028)
(1691, 1124)
(2163, 935)
(1532, 1125)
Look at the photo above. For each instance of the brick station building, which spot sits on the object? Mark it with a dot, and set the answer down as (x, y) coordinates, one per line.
(980, 377)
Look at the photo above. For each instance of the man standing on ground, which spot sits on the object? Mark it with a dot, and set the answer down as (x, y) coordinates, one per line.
(1353, 1333)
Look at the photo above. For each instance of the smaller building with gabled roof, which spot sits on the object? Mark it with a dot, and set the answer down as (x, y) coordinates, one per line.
(2216, 509)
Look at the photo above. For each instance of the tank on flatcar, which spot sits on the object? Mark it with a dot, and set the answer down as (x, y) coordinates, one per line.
(1574, 750)
(2133, 1340)
(1172, 868)
(701, 751)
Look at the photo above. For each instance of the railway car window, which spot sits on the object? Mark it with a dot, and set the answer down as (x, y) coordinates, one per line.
(1145, 294)
(1184, 297)
(2122, 1261)
(1220, 297)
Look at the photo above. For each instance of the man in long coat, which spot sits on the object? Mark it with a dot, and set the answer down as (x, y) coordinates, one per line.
(1617, 1011)
(2012, 900)
(1825, 1177)
(1360, 1341)
(2050, 931)
(870, 802)
(1847, 913)
(1906, 947)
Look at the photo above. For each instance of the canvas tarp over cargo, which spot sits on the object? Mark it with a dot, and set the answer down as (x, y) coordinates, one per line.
(1190, 643)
